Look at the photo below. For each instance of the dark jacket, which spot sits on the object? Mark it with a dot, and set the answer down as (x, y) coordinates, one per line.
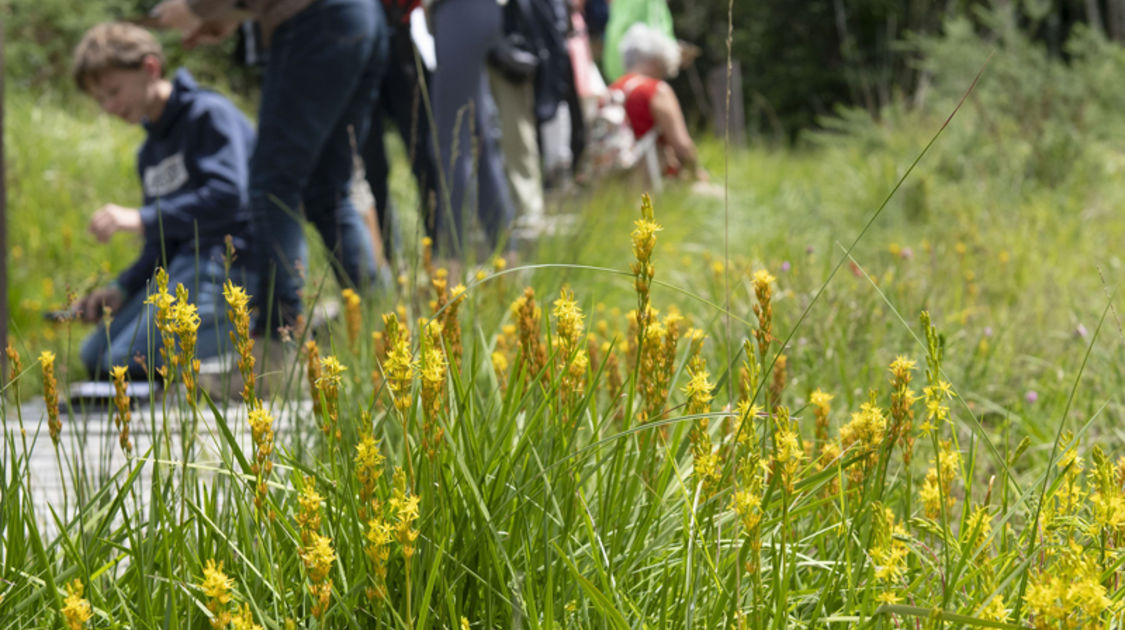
(194, 169)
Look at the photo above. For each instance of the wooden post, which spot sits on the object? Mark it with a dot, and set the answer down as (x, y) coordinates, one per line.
(3, 232)
(717, 89)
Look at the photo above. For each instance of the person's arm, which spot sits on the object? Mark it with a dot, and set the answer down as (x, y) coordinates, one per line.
(669, 119)
(218, 165)
(182, 14)
(111, 219)
(201, 21)
(92, 306)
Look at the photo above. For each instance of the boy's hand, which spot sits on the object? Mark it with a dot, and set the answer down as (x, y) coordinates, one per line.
(177, 15)
(91, 307)
(112, 218)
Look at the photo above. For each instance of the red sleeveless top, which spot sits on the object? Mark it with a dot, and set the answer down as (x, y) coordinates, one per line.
(639, 91)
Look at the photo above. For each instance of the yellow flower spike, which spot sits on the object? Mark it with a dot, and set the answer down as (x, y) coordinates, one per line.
(76, 611)
(428, 255)
(572, 359)
(939, 479)
(451, 325)
(747, 506)
(243, 619)
(368, 467)
(995, 610)
(902, 406)
(406, 508)
(821, 402)
(762, 280)
(216, 585)
(121, 402)
(352, 315)
(312, 374)
(261, 432)
(308, 513)
(183, 320)
(398, 368)
(528, 316)
(433, 371)
(499, 363)
(864, 433)
(328, 388)
(238, 312)
(318, 557)
(163, 301)
(51, 395)
(788, 451)
(644, 242)
(14, 360)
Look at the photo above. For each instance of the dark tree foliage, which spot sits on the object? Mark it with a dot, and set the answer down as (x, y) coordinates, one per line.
(40, 36)
(801, 60)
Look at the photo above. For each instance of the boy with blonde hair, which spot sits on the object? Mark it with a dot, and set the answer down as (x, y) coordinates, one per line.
(194, 171)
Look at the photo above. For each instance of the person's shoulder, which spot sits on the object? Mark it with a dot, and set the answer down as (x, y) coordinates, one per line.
(216, 109)
(207, 100)
(204, 101)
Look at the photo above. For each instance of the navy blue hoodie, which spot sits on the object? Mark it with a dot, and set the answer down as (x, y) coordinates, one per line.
(194, 167)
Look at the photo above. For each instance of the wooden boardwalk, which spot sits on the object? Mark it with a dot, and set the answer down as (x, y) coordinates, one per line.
(89, 456)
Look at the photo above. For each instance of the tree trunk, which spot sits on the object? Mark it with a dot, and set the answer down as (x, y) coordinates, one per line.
(1115, 19)
(1094, 16)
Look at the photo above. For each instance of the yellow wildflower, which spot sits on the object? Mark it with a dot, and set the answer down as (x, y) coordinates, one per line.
(243, 619)
(51, 395)
(352, 316)
(238, 311)
(328, 386)
(76, 610)
(398, 368)
(318, 557)
(216, 587)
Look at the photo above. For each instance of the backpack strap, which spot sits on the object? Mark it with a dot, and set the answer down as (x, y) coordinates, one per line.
(630, 84)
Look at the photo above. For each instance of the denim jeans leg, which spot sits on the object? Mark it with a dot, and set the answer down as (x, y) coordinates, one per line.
(102, 349)
(494, 207)
(327, 197)
(318, 60)
(377, 168)
(464, 30)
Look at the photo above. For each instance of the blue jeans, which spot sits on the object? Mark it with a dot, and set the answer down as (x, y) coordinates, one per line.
(132, 331)
(465, 117)
(400, 100)
(317, 94)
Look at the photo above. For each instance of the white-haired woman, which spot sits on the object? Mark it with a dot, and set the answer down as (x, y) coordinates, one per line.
(650, 56)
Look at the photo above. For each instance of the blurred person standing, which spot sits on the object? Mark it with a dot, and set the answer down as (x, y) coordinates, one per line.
(400, 100)
(470, 162)
(325, 61)
(515, 64)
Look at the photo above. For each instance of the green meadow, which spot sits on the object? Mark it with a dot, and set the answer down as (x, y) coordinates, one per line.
(875, 382)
